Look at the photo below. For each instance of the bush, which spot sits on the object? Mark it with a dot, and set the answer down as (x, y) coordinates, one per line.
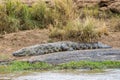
(90, 11)
(57, 33)
(14, 16)
(23, 14)
(42, 15)
(8, 24)
(83, 31)
(63, 15)
(65, 10)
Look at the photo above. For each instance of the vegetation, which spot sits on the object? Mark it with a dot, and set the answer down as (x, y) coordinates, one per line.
(16, 16)
(62, 17)
(90, 65)
(87, 30)
(21, 66)
(4, 57)
(115, 24)
(65, 22)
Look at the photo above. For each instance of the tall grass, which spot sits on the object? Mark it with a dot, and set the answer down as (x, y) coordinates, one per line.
(14, 16)
(17, 16)
(66, 11)
(64, 16)
(86, 30)
(90, 11)
(7, 23)
(42, 15)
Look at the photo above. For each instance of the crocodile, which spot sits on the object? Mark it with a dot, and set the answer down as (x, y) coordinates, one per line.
(41, 49)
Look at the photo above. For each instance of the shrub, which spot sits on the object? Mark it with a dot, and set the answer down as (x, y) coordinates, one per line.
(57, 33)
(89, 11)
(14, 16)
(42, 15)
(8, 24)
(23, 14)
(83, 31)
(19, 16)
(65, 10)
(103, 30)
(96, 12)
(63, 15)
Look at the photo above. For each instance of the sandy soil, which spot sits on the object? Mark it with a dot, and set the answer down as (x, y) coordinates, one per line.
(15, 41)
(113, 39)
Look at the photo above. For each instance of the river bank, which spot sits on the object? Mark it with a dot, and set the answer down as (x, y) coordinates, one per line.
(24, 25)
(15, 41)
(27, 66)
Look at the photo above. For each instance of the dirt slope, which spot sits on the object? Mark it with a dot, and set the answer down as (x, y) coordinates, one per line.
(112, 39)
(15, 41)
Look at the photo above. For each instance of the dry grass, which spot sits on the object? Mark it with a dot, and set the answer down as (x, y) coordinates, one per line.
(114, 24)
(90, 11)
(4, 57)
(63, 15)
(83, 31)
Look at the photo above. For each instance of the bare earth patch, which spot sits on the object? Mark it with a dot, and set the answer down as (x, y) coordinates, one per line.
(113, 39)
(15, 41)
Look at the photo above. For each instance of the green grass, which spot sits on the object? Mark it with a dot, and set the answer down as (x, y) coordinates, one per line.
(21, 66)
(90, 65)
(25, 66)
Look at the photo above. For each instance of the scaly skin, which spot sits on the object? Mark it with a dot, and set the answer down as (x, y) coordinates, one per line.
(42, 49)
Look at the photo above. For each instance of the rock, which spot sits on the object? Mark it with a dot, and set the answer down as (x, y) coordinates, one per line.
(112, 5)
(115, 7)
(42, 49)
(104, 3)
(80, 55)
(103, 9)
